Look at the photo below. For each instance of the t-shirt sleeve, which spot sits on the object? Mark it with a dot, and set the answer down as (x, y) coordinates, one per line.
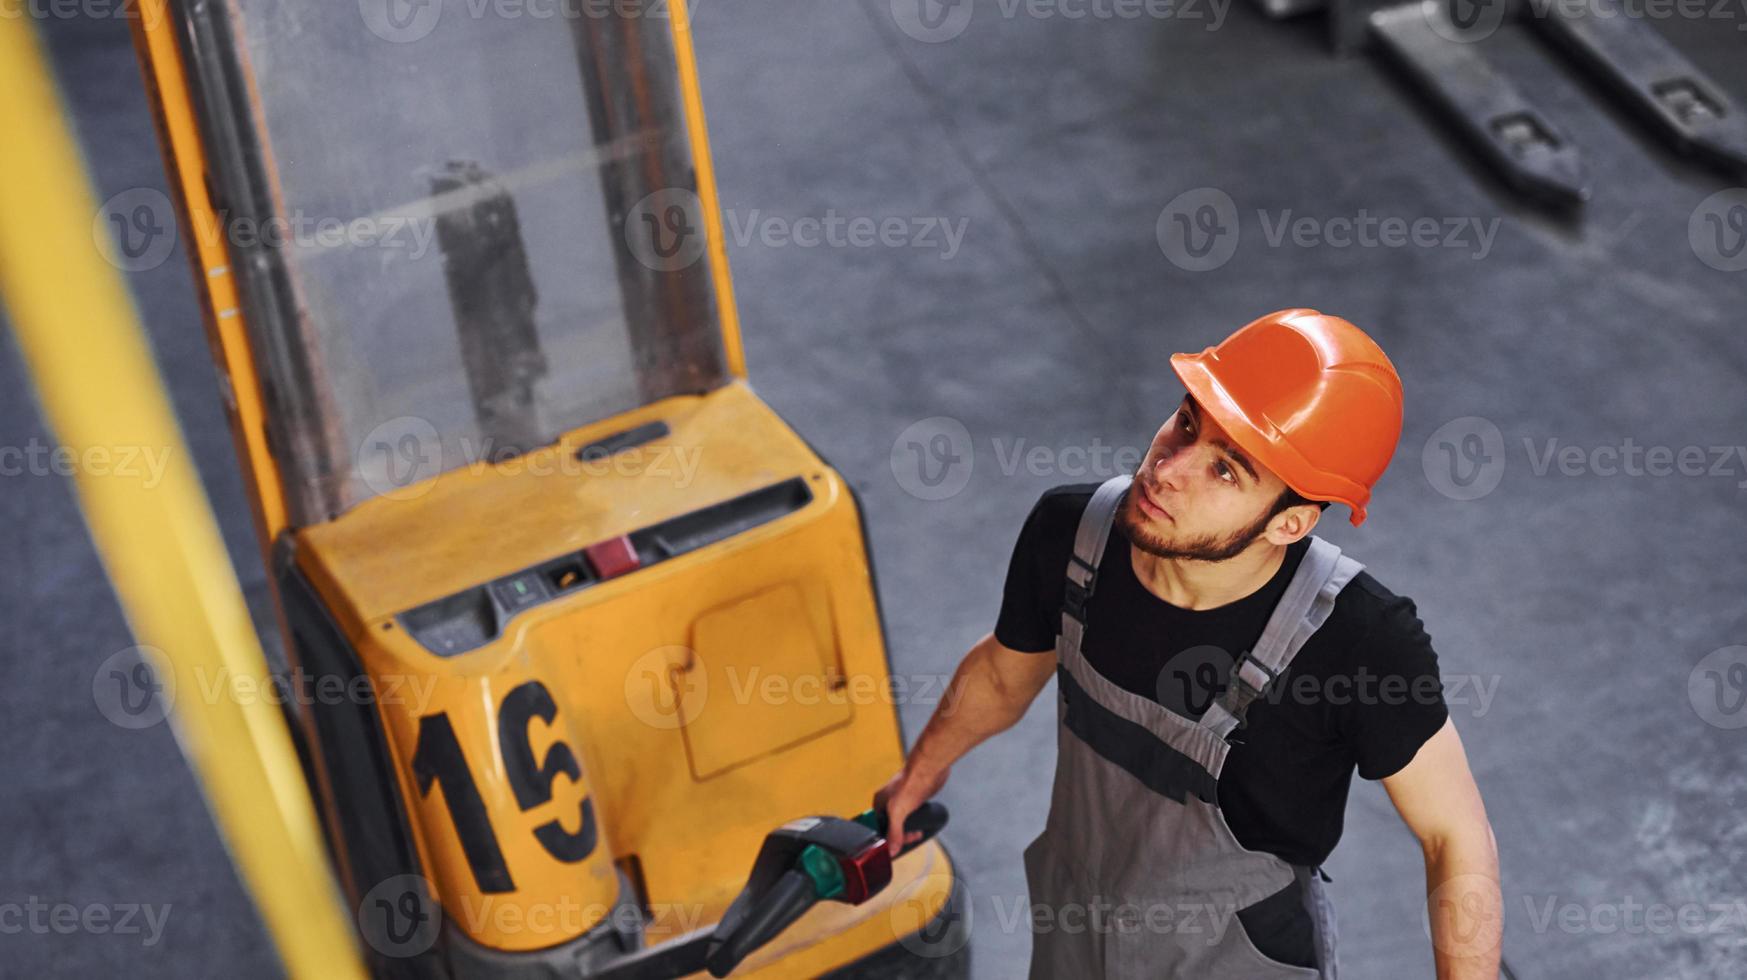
(1026, 622)
(1397, 701)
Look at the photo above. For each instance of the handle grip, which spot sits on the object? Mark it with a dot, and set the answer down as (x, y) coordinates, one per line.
(929, 819)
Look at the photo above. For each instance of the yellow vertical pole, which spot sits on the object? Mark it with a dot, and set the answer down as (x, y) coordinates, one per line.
(698, 131)
(99, 388)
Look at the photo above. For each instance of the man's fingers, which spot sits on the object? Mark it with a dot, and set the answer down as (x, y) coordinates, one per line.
(896, 814)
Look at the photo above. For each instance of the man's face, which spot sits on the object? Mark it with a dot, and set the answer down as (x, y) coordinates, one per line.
(1198, 496)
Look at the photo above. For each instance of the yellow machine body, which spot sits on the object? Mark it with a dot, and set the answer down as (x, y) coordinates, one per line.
(707, 697)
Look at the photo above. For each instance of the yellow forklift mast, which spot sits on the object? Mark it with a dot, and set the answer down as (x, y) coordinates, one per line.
(464, 278)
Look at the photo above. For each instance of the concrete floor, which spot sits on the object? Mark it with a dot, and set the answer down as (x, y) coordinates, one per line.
(1574, 609)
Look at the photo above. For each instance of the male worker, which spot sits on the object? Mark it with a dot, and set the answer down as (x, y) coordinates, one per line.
(1190, 792)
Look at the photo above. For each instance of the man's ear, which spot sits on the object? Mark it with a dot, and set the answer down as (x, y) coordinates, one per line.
(1293, 523)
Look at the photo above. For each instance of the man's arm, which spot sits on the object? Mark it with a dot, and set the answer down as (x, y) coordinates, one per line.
(1436, 796)
(988, 694)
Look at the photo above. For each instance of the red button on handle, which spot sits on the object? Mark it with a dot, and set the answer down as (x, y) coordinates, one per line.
(866, 872)
(613, 557)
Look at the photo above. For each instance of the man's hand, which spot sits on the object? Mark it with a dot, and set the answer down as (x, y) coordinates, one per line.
(1436, 796)
(991, 690)
(901, 796)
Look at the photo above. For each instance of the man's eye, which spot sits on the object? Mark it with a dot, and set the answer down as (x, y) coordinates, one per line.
(1225, 472)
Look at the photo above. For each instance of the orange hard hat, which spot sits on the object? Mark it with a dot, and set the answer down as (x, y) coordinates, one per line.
(1310, 396)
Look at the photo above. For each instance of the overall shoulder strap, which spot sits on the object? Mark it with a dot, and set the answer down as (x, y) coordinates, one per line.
(1089, 541)
(1301, 611)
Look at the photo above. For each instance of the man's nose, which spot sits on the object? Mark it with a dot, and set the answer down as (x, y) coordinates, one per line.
(1173, 465)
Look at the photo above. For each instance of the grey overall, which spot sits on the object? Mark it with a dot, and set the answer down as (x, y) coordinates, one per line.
(1136, 873)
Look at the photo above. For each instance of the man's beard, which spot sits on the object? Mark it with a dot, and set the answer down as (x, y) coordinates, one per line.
(1134, 523)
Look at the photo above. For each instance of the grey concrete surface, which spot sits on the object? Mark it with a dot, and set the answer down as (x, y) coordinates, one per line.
(1574, 608)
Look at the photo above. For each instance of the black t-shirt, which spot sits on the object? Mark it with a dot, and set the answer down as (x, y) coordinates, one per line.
(1362, 694)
